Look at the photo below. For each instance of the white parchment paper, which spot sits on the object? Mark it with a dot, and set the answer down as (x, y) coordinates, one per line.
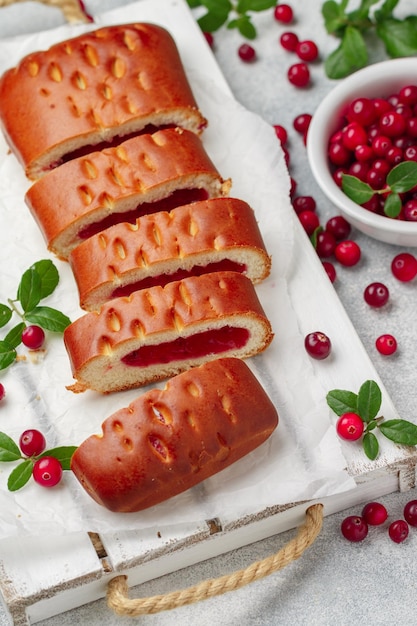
(303, 459)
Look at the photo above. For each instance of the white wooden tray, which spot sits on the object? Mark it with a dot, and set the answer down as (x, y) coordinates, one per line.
(45, 577)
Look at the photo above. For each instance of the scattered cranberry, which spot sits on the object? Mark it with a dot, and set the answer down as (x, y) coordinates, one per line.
(404, 266)
(330, 270)
(410, 512)
(289, 41)
(374, 513)
(309, 220)
(348, 253)
(33, 337)
(386, 344)
(281, 133)
(302, 122)
(299, 75)
(318, 345)
(376, 294)
(209, 38)
(304, 203)
(2, 391)
(47, 471)
(307, 50)
(398, 530)
(32, 442)
(354, 528)
(350, 426)
(246, 52)
(284, 13)
(339, 227)
(325, 244)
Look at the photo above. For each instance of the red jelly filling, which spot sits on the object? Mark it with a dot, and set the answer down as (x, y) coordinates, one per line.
(208, 342)
(163, 279)
(177, 198)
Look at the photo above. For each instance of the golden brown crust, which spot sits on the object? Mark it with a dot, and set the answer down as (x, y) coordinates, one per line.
(161, 244)
(117, 180)
(169, 440)
(109, 82)
(97, 342)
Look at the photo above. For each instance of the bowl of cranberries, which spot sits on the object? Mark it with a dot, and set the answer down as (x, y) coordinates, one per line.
(362, 150)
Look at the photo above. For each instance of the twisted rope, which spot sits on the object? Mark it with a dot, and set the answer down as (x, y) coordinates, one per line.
(117, 591)
(72, 9)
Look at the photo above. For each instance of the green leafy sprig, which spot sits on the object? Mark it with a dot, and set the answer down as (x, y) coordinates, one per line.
(20, 475)
(400, 179)
(367, 403)
(232, 14)
(399, 36)
(37, 282)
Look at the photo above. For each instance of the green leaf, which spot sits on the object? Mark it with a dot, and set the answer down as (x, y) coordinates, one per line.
(211, 22)
(369, 400)
(9, 451)
(29, 290)
(49, 276)
(342, 401)
(48, 318)
(362, 13)
(20, 475)
(392, 205)
(400, 431)
(398, 36)
(350, 56)
(370, 445)
(245, 27)
(403, 176)
(385, 10)
(356, 189)
(243, 6)
(14, 336)
(7, 355)
(63, 454)
(5, 314)
(193, 4)
(334, 16)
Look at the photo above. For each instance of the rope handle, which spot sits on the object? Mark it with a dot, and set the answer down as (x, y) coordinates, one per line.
(120, 603)
(73, 10)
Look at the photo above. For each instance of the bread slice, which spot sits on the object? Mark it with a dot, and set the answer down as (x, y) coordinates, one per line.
(159, 332)
(205, 236)
(169, 440)
(91, 90)
(146, 174)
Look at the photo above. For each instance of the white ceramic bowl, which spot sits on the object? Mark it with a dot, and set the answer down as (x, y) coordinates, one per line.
(378, 80)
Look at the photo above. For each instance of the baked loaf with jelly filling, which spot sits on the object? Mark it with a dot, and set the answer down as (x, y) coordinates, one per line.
(88, 91)
(220, 233)
(169, 440)
(159, 332)
(142, 175)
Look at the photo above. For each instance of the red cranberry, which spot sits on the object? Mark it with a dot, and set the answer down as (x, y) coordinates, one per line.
(299, 74)
(2, 392)
(209, 38)
(32, 442)
(281, 133)
(354, 528)
(350, 426)
(392, 124)
(354, 135)
(410, 210)
(318, 345)
(374, 513)
(410, 512)
(304, 203)
(363, 152)
(338, 154)
(309, 220)
(348, 253)
(362, 110)
(246, 52)
(380, 145)
(289, 41)
(386, 344)
(33, 337)
(339, 227)
(376, 294)
(47, 471)
(408, 94)
(330, 270)
(307, 50)
(398, 531)
(404, 267)
(284, 13)
(325, 244)
(302, 122)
